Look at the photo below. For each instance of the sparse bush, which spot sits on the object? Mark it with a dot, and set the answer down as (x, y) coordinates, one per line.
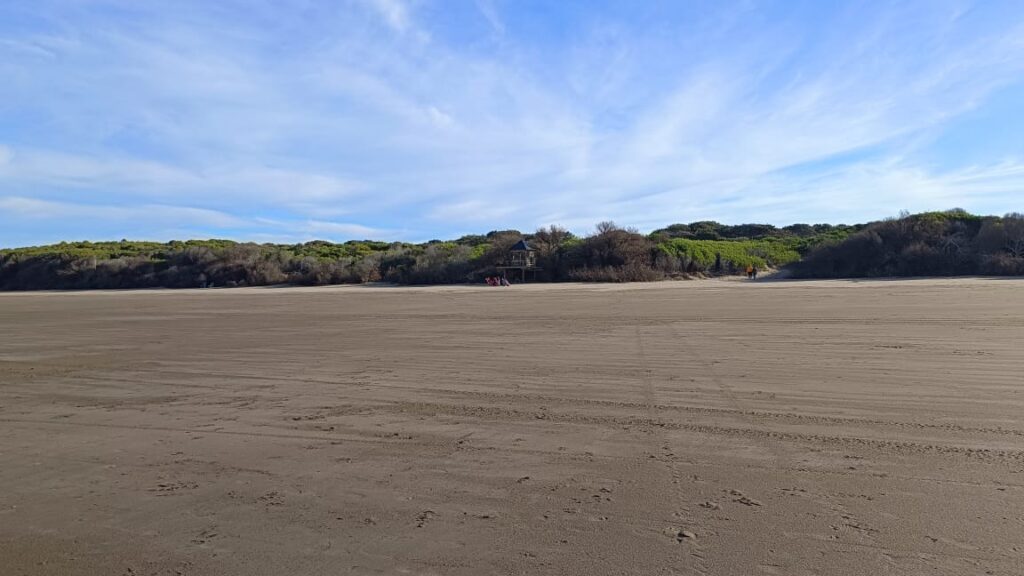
(441, 263)
(626, 273)
(1002, 265)
(611, 254)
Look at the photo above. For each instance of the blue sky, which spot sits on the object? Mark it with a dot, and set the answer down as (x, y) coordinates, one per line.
(288, 121)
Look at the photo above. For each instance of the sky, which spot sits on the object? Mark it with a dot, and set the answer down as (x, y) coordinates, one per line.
(294, 120)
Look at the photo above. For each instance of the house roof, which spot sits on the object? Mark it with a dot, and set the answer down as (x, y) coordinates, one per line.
(521, 245)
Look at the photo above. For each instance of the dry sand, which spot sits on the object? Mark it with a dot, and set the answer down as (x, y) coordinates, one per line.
(716, 427)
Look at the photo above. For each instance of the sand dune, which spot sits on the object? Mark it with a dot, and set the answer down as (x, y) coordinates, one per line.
(714, 427)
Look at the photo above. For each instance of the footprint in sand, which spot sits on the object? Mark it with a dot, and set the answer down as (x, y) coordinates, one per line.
(680, 535)
(743, 499)
(167, 488)
(272, 498)
(204, 536)
(423, 517)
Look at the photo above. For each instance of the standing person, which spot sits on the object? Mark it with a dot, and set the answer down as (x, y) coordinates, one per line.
(753, 272)
(750, 271)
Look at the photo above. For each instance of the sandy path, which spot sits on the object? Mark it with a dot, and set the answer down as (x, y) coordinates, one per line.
(791, 428)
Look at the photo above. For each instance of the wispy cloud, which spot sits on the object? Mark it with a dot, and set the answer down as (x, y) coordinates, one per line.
(133, 179)
(394, 12)
(34, 209)
(169, 222)
(394, 117)
(489, 11)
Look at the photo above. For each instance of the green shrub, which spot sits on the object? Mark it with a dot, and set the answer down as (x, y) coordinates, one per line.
(702, 255)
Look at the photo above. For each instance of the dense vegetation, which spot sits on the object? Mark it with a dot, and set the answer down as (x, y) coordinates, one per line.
(935, 243)
(952, 243)
(609, 254)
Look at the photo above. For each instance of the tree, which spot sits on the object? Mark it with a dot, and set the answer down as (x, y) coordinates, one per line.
(674, 231)
(1013, 226)
(706, 230)
(1003, 235)
(548, 241)
(550, 246)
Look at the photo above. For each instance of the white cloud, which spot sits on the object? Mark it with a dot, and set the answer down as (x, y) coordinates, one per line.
(35, 209)
(439, 117)
(394, 12)
(62, 169)
(490, 13)
(879, 188)
(636, 123)
(165, 222)
(29, 48)
(476, 211)
(252, 185)
(317, 228)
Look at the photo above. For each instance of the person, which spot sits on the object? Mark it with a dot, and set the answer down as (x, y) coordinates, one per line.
(489, 280)
(505, 282)
(750, 271)
(753, 273)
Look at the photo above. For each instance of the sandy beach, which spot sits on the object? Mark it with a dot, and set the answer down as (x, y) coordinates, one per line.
(705, 427)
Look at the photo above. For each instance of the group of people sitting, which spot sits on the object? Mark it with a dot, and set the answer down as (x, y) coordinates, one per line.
(497, 281)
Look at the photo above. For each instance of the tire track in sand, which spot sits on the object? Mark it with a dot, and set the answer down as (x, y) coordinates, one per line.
(684, 535)
(786, 417)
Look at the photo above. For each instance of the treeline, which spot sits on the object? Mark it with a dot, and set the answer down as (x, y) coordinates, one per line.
(930, 244)
(609, 254)
(951, 243)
